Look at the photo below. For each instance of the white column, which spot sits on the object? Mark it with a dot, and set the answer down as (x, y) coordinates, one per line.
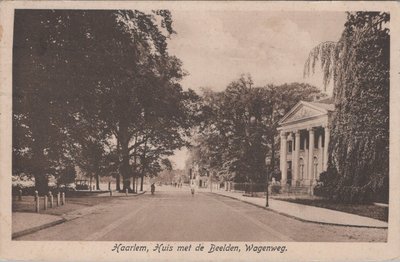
(311, 155)
(305, 161)
(326, 145)
(295, 160)
(320, 155)
(283, 162)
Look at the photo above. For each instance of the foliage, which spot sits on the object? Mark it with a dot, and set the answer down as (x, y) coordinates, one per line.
(66, 176)
(238, 128)
(276, 189)
(98, 89)
(359, 146)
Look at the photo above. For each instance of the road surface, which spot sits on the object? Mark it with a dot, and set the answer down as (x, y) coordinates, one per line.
(174, 215)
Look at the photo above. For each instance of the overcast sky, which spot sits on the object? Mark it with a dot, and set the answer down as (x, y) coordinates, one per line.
(217, 47)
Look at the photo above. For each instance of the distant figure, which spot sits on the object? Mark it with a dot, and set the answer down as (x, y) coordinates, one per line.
(192, 188)
(153, 188)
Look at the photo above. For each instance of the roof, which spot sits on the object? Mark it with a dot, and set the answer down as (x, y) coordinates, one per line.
(329, 107)
(314, 109)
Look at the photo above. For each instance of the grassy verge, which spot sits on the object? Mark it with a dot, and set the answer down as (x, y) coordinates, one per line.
(366, 210)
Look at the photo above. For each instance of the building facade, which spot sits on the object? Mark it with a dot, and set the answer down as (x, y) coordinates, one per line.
(304, 134)
(196, 179)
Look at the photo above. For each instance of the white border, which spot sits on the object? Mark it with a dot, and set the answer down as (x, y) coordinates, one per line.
(101, 251)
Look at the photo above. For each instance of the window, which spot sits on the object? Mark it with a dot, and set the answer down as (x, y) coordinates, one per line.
(290, 149)
(302, 142)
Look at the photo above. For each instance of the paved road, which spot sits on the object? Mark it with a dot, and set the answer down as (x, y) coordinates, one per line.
(174, 215)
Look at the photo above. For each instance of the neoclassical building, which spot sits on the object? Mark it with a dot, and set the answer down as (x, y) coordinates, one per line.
(304, 134)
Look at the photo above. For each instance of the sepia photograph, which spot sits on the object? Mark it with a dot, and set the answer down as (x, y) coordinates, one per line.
(153, 129)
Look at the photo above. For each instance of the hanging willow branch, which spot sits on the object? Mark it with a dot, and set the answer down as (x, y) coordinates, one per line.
(333, 56)
(325, 52)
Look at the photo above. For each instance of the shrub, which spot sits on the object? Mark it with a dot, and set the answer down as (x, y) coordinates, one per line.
(335, 187)
(275, 189)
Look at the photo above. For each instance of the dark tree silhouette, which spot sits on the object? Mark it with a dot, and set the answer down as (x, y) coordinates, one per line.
(359, 64)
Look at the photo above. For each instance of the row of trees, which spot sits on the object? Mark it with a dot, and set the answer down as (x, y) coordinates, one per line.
(98, 90)
(239, 128)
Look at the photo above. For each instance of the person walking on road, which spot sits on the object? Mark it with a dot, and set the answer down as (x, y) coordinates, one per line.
(192, 188)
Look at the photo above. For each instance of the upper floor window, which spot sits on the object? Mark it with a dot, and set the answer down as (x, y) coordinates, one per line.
(303, 142)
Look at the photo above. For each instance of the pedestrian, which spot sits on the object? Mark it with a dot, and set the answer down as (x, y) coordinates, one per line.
(192, 188)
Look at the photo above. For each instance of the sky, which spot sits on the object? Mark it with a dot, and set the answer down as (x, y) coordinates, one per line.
(216, 47)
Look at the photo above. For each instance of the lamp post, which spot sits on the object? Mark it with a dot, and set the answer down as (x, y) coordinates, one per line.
(267, 163)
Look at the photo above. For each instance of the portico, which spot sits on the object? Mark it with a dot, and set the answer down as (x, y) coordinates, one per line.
(304, 133)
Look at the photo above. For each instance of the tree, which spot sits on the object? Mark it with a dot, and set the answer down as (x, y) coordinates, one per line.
(40, 97)
(66, 176)
(358, 168)
(145, 102)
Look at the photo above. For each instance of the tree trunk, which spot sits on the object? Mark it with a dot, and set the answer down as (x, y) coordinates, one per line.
(97, 181)
(143, 165)
(125, 167)
(41, 183)
(134, 169)
(118, 182)
(141, 182)
(39, 160)
(134, 183)
(118, 176)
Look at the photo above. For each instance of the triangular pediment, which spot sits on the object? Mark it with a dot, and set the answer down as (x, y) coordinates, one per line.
(302, 111)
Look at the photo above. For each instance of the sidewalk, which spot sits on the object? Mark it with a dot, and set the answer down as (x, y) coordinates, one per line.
(24, 222)
(308, 213)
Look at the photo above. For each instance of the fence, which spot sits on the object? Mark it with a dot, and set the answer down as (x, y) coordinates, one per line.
(252, 188)
(249, 187)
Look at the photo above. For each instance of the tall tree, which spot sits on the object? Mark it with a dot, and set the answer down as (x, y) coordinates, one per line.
(42, 95)
(359, 64)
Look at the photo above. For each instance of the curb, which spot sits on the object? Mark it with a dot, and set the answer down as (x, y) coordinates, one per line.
(298, 218)
(35, 229)
(54, 223)
(129, 195)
